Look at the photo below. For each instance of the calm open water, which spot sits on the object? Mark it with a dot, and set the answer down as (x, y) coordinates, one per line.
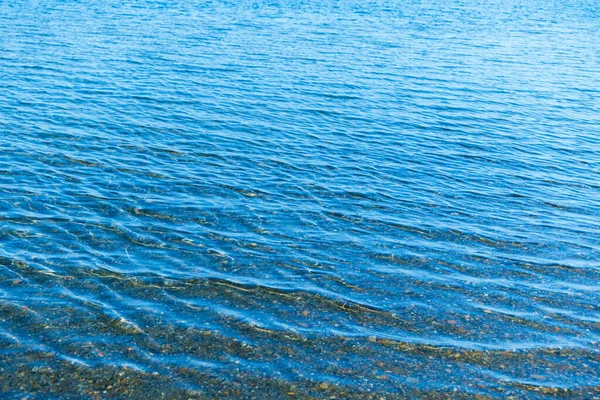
(295, 198)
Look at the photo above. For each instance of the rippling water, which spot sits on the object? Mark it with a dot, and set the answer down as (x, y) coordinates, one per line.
(300, 198)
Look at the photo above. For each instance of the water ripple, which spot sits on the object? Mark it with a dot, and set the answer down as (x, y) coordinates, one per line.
(299, 199)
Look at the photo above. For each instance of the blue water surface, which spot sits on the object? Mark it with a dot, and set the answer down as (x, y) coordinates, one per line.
(298, 198)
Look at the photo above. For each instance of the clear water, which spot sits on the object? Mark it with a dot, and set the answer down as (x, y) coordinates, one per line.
(279, 199)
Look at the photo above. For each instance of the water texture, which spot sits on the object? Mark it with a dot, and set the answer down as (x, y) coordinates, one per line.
(293, 199)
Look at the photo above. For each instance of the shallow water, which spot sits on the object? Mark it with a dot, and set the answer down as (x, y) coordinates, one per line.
(299, 198)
